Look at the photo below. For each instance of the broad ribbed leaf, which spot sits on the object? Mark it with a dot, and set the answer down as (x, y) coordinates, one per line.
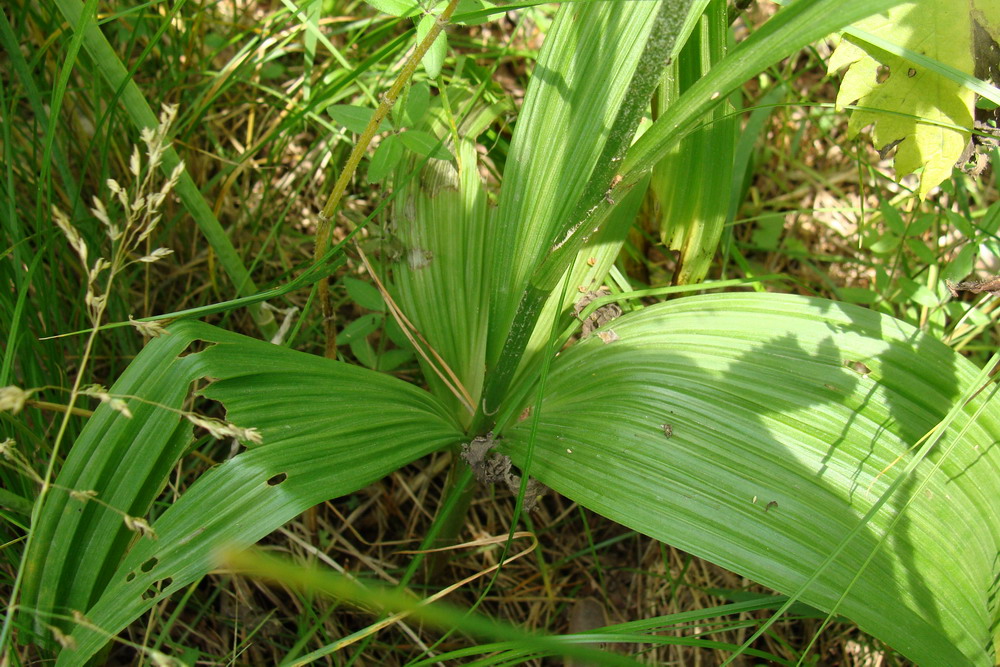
(59, 573)
(439, 273)
(569, 110)
(328, 429)
(751, 430)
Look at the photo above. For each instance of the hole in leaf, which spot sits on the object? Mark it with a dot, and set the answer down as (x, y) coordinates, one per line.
(129, 577)
(165, 582)
(195, 347)
(149, 564)
(277, 479)
(882, 74)
(150, 593)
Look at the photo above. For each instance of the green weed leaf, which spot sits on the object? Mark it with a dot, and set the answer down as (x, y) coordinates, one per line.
(359, 328)
(418, 98)
(424, 143)
(384, 160)
(364, 294)
(929, 115)
(354, 118)
(434, 58)
(395, 7)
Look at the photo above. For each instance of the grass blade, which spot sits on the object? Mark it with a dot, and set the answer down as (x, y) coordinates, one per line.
(139, 112)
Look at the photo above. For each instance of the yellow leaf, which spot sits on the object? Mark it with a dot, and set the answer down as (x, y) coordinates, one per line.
(927, 116)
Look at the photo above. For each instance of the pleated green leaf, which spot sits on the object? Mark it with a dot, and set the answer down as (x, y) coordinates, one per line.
(753, 431)
(328, 429)
(128, 462)
(576, 91)
(439, 275)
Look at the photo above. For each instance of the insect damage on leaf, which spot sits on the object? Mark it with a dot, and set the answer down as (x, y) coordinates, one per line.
(496, 468)
(932, 112)
(599, 317)
(976, 156)
(608, 336)
(858, 367)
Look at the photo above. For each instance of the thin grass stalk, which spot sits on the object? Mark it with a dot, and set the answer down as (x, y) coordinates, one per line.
(325, 228)
(139, 112)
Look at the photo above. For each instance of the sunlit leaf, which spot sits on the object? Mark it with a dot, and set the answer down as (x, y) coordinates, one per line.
(756, 430)
(434, 58)
(395, 7)
(926, 115)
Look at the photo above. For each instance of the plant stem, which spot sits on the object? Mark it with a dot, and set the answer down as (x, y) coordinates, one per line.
(325, 229)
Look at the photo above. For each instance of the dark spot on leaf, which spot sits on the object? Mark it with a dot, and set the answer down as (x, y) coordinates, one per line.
(770, 504)
(911, 72)
(149, 564)
(883, 152)
(277, 479)
(668, 430)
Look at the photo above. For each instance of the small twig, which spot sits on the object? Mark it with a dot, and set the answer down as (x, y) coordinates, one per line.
(324, 231)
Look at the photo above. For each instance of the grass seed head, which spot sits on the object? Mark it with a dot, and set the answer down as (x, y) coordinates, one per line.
(12, 400)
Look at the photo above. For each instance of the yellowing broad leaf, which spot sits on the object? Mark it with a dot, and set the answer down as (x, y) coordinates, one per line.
(910, 106)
